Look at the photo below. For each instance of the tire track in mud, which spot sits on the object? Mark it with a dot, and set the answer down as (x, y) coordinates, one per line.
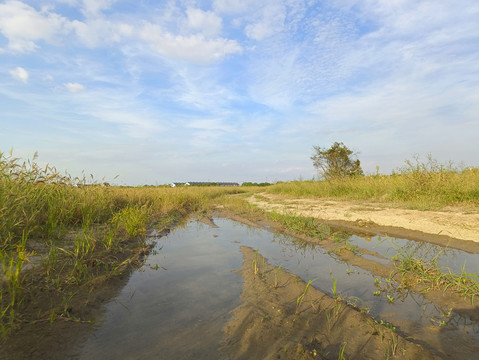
(272, 323)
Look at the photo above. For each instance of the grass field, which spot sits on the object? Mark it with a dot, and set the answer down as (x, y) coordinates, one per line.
(419, 185)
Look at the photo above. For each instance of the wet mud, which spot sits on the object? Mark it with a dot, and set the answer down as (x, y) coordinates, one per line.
(280, 318)
(452, 330)
(267, 321)
(55, 322)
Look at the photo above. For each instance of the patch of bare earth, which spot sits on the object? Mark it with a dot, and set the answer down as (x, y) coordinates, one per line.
(271, 323)
(444, 227)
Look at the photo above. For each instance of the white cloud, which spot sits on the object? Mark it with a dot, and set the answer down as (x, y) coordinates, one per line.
(207, 22)
(22, 25)
(94, 7)
(233, 6)
(271, 21)
(258, 31)
(195, 48)
(74, 87)
(197, 39)
(100, 32)
(20, 74)
(69, 2)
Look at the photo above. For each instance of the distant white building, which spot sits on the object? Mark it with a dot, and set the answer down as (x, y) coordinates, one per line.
(204, 183)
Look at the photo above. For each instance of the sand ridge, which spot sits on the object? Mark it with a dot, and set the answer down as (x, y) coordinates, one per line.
(454, 223)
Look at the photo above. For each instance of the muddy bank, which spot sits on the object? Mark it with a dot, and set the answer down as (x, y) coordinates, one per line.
(55, 317)
(280, 319)
(42, 337)
(455, 228)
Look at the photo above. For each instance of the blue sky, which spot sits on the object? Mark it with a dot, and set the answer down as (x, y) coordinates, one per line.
(231, 90)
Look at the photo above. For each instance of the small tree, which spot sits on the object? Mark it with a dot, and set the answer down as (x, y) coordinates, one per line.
(336, 162)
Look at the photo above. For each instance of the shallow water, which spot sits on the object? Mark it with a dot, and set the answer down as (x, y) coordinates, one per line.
(176, 306)
(180, 297)
(456, 260)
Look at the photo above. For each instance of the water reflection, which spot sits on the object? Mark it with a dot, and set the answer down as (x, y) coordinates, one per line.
(177, 305)
(456, 260)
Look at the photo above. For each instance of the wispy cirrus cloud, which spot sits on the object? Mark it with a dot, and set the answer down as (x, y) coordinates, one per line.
(194, 48)
(270, 20)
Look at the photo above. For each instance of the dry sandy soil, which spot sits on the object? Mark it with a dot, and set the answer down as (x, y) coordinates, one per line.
(452, 226)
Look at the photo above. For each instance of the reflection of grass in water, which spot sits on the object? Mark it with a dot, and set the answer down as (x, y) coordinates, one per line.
(418, 263)
(304, 225)
(312, 227)
(426, 270)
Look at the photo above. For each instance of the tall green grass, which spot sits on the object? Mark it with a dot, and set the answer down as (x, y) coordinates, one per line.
(76, 222)
(419, 184)
(44, 204)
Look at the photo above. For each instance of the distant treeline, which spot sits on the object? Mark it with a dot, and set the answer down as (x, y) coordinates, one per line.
(255, 184)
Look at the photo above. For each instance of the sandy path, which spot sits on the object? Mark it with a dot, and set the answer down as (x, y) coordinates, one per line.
(451, 222)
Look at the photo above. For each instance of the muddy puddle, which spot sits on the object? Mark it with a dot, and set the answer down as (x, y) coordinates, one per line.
(447, 258)
(178, 304)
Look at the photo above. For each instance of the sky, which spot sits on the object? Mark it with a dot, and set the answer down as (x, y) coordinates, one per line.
(236, 90)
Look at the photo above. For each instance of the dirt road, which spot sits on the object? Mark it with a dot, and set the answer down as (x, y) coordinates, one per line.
(454, 227)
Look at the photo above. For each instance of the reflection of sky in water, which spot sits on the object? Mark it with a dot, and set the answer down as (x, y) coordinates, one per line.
(180, 309)
(451, 258)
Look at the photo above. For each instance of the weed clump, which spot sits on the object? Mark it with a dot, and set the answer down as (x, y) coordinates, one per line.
(434, 276)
